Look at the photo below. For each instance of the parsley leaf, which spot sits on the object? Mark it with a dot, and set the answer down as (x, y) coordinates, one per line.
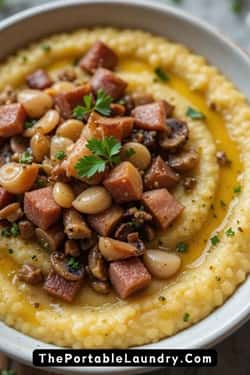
(46, 47)
(194, 114)
(102, 105)
(26, 158)
(73, 264)
(186, 317)
(12, 231)
(214, 240)
(236, 6)
(29, 124)
(182, 247)
(161, 75)
(7, 372)
(60, 155)
(103, 102)
(237, 189)
(105, 152)
(89, 166)
(230, 232)
(129, 152)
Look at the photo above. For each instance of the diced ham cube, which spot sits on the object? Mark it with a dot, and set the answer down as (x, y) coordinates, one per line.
(163, 206)
(124, 183)
(151, 116)
(12, 118)
(105, 222)
(39, 80)
(99, 55)
(111, 84)
(99, 126)
(5, 197)
(57, 286)
(128, 276)
(41, 208)
(67, 101)
(160, 175)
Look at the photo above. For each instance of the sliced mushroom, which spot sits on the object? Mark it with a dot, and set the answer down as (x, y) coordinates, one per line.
(123, 231)
(97, 265)
(65, 267)
(88, 243)
(75, 226)
(101, 287)
(27, 229)
(12, 212)
(18, 144)
(72, 248)
(50, 239)
(30, 274)
(184, 161)
(178, 135)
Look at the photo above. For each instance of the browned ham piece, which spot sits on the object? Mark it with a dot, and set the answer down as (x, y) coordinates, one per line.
(110, 83)
(99, 55)
(58, 287)
(67, 101)
(128, 276)
(41, 208)
(119, 127)
(151, 116)
(160, 175)
(124, 183)
(105, 222)
(5, 197)
(39, 80)
(12, 118)
(163, 206)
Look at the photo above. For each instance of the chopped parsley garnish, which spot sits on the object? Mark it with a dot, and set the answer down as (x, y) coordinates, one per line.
(34, 257)
(7, 372)
(10, 251)
(217, 278)
(162, 298)
(105, 152)
(237, 189)
(24, 59)
(182, 247)
(129, 152)
(236, 6)
(26, 158)
(60, 155)
(41, 182)
(230, 232)
(73, 264)
(46, 47)
(102, 105)
(161, 75)
(186, 317)
(29, 124)
(214, 240)
(194, 114)
(222, 203)
(12, 231)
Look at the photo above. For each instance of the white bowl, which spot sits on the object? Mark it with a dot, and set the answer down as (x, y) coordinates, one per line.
(176, 25)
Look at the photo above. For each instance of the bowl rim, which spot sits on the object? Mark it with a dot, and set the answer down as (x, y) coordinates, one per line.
(241, 316)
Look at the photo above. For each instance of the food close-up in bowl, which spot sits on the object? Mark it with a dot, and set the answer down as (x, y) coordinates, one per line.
(124, 185)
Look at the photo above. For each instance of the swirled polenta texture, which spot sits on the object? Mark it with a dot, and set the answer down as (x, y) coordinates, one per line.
(95, 321)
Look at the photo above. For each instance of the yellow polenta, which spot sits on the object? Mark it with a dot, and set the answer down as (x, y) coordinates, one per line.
(210, 272)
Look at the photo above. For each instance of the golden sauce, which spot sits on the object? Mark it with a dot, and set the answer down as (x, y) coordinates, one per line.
(220, 205)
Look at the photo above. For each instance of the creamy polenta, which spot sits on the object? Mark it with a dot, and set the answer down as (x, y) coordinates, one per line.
(211, 235)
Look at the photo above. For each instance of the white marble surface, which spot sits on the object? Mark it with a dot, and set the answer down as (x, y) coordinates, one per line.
(234, 352)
